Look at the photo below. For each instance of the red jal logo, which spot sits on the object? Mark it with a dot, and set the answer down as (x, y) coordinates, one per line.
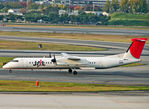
(39, 63)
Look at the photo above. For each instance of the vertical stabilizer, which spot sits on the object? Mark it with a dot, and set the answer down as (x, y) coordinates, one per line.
(135, 49)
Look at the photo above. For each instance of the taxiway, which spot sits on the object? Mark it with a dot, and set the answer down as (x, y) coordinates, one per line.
(79, 30)
(138, 75)
(116, 45)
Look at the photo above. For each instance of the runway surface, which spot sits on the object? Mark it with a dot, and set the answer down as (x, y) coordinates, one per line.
(79, 30)
(116, 45)
(74, 101)
(120, 76)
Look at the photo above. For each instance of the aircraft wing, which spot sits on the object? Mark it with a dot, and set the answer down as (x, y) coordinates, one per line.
(71, 60)
(69, 57)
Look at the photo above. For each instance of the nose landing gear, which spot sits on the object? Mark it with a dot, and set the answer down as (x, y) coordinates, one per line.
(10, 71)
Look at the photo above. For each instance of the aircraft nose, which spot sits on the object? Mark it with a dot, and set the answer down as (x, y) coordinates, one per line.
(6, 66)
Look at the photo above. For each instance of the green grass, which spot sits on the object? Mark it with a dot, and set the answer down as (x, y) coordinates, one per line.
(129, 19)
(63, 87)
(118, 15)
(4, 60)
(46, 46)
(129, 22)
(77, 26)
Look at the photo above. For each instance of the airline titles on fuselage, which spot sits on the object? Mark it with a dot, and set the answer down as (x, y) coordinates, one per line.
(39, 63)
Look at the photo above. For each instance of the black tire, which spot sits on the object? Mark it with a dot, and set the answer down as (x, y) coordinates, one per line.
(75, 72)
(70, 70)
(10, 71)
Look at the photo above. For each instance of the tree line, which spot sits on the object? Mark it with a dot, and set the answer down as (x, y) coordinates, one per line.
(54, 18)
(49, 14)
(127, 6)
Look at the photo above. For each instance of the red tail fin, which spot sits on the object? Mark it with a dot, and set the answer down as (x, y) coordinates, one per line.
(137, 47)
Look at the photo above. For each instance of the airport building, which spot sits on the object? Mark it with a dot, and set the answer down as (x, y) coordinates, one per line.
(100, 3)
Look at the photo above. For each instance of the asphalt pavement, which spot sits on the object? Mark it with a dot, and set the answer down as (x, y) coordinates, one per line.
(138, 75)
(79, 30)
(117, 45)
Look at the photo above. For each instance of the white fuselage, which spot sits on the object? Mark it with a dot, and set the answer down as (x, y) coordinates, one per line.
(63, 63)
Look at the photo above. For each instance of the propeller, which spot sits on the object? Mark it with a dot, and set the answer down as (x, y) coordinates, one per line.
(53, 60)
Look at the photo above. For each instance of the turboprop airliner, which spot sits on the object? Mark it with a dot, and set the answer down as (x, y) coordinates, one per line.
(72, 63)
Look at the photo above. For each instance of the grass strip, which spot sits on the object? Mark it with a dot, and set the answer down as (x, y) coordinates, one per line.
(4, 60)
(79, 26)
(94, 37)
(9, 85)
(18, 45)
(128, 19)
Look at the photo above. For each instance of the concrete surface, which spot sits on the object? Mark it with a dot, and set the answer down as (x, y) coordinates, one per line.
(73, 101)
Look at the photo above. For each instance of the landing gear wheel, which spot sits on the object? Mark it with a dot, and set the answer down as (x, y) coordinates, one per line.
(70, 70)
(10, 71)
(75, 72)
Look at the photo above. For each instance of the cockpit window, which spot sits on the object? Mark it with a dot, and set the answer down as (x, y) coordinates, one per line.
(14, 61)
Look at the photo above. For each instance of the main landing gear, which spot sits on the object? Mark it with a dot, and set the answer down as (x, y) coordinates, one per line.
(71, 71)
(75, 72)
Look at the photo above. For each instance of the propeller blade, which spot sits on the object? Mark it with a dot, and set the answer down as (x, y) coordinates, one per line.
(54, 59)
